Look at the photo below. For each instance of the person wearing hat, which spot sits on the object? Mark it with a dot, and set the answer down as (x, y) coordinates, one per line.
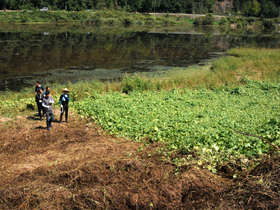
(47, 104)
(63, 100)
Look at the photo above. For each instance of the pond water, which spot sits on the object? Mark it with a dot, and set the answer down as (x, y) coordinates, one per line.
(62, 53)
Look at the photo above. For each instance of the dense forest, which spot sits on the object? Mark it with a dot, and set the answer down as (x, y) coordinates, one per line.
(263, 8)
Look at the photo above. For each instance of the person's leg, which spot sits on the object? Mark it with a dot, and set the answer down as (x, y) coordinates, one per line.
(40, 110)
(44, 112)
(66, 112)
(48, 121)
(51, 119)
(62, 110)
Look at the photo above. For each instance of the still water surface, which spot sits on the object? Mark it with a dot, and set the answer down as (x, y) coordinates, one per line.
(100, 53)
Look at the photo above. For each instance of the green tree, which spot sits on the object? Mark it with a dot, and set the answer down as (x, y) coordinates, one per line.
(4, 4)
(147, 6)
(264, 8)
(135, 4)
(109, 4)
(237, 5)
(273, 11)
(256, 8)
(247, 7)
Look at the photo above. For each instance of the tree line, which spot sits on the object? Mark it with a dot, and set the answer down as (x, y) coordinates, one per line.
(183, 6)
(257, 8)
(263, 8)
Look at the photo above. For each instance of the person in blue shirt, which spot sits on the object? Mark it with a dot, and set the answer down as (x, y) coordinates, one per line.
(63, 100)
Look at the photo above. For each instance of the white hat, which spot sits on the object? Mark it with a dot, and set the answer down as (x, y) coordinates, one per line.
(65, 90)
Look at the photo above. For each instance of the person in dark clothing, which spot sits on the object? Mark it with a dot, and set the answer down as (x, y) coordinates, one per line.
(44, 96)
(39, 101)
(47, 104)
(63, 100)
(47, 89)
(38, 87)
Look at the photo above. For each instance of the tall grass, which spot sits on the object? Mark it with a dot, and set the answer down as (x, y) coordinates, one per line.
(254, 63)
(259, 64)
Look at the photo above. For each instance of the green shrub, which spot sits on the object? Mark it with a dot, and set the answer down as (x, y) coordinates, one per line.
(224, 21)
(166, 21)
(167, 15)
(128, 20)
(159, 19)
(232, 20)
(111, 21)
(140, 22)
(251, 20)
(241, 23)
(169, 22)
(277, 20)
(209, 19)
(268, 24)
(25, 19)
(149, 22)
(198, 21)
(150, 17)
(94, 20)
(97, 15)
(258, 25)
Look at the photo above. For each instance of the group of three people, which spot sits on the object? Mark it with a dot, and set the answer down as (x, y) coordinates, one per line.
(44, 103)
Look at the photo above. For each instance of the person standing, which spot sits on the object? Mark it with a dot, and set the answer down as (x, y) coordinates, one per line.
(63, 100)
(47, 104)
(38, 87)
(39, 101)
(44, 96)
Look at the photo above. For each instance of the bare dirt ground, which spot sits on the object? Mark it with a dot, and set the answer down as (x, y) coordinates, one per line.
(78, 166)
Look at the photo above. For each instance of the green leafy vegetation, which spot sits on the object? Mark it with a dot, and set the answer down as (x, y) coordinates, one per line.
(20, 105)
(205, 20)
(198, 120)
(265, 23)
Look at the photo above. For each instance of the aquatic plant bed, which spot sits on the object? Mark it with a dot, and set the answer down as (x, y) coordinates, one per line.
(199, 120)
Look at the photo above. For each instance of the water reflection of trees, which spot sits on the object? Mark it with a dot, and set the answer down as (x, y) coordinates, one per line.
(24, 53)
